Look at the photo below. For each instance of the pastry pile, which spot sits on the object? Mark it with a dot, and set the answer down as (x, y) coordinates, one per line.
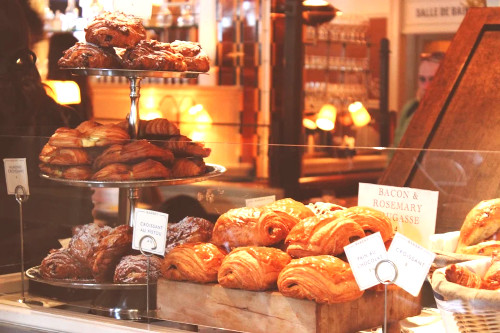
(465, 277)
(93, 151)
(117, 40)
(284, 245)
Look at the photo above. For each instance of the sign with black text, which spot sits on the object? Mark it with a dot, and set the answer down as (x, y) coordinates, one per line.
(150, 231)
(16, 174)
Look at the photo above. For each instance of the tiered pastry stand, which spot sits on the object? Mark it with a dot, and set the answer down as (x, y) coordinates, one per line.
(105, 303)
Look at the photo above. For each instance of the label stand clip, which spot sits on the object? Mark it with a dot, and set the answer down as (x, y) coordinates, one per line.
(385, 283)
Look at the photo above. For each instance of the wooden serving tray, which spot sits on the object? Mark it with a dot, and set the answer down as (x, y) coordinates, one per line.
(248, 311)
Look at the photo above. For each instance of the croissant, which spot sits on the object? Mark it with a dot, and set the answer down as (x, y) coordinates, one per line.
(328, 235)
(182, 146)
(483, 248)
(188, 230)
(482, 223)
(463, 276)
(371, 220)
(252, 268)
(64, 156)
(196, 262)
(153, 55)
(60, 264)
(187, 167)
(85, 242)
(88, 55)
(324, 279)
(196, 59)
(77, 172)
(105, 135)
(147, 169)
(134, 268)
(492, 275)
(157, 128)
(324, 208)
(66, 137)
(290, 211)
(249, 226)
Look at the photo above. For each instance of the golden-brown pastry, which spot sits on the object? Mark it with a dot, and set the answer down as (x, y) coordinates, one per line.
(481, 224)
(59, 264)
(77, 172)
(485, 248)
(85, 241)
(66, 138)
(322, 235)
(323, 279)
(195, 57)
(133, 152)
(153, 55)
(64, 156)
(290, 211)
(252, 268)
(147, 169)
(371, 220)
(87, 125)
(249, 226)
(195, 262)
(324, 208)
(134, 268)
(188, 230)
(463, 276)
(114, 172)
(159, 128)
(88, 55)
(115, 29)
(188, 167)
(109, 252)
(182, 146)
(97, 136)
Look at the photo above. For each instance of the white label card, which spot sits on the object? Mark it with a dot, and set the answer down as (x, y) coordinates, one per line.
(363, 255)
(412, 261)
(412, 211)
(151, 227)
(261, 201)
(16, 174)
(139, 8)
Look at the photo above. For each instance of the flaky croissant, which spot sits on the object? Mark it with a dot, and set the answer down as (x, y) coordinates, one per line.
(252, 268)
(195, 262)
(463, 276)
(64, 156)
(324, 279)
(322, 235)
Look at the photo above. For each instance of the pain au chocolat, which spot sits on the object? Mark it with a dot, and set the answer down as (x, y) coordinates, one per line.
(88, 55)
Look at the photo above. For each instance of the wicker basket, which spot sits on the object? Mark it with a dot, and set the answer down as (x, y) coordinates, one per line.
(465, 309)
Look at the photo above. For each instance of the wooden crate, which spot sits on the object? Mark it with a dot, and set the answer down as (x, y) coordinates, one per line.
(247, 311)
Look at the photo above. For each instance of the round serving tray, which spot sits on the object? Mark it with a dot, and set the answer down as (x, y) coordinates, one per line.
(213, 170)
(33, 273)
(132, 73)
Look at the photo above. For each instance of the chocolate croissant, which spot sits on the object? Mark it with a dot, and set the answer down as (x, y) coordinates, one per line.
(195, 262)
(322, 235)
(290, 211)
(249, 226)
(371, 220)
(87, 55)
(323, 279)
(481, 224)
(252, 268)
(463, 276)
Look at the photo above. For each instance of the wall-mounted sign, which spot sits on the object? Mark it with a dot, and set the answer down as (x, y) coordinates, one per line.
(427, 16)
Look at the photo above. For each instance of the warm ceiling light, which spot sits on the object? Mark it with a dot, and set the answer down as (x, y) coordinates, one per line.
(316, 12)
(63, 92)
(359, 114)
(326, 117)
(309, 123)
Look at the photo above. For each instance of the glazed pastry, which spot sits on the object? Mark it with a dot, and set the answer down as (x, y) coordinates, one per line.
(482, 249)
(182, 146)
(481, 224)
(133, 269)
(109, 252)
(153, 55)
(249, 226)
(323, 279)
(87, 55)
(371, 220)
(196, 59)
(115, 29)
(290, 211)
(252, 268)
(59, 264)
(85, 241)
(463, 276)
(64, 156)
(147, 169)
(195, 262)
(133, 152)
(159, 128)
(327, 235)
(187, 167)
(188, 230)
(324, 208)
(77, 172)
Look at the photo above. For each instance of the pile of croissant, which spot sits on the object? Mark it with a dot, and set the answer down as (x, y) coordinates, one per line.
(480, 231)
(117, 40)
(285, 245)
(93, 151)
(465, 277)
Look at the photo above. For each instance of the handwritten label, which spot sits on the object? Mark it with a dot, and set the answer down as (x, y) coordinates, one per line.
(261, 201)
(16, 174)
(412, 261)
(363, 255)
(140, 9)
(151, 227)
(412, 211)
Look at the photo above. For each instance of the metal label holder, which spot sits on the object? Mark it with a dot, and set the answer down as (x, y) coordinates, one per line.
(385, 283)
(148, 255)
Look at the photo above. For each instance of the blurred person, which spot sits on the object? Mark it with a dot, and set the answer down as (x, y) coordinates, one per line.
(28, 116)
(429, 63)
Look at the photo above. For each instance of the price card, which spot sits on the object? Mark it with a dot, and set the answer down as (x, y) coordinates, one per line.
(137, 8)
(261, 201)
(363, 255)
(16, 174)
(412, 211)
(412, 261)
(151, 227)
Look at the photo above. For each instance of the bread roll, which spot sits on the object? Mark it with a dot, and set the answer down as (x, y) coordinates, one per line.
(481, 224)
